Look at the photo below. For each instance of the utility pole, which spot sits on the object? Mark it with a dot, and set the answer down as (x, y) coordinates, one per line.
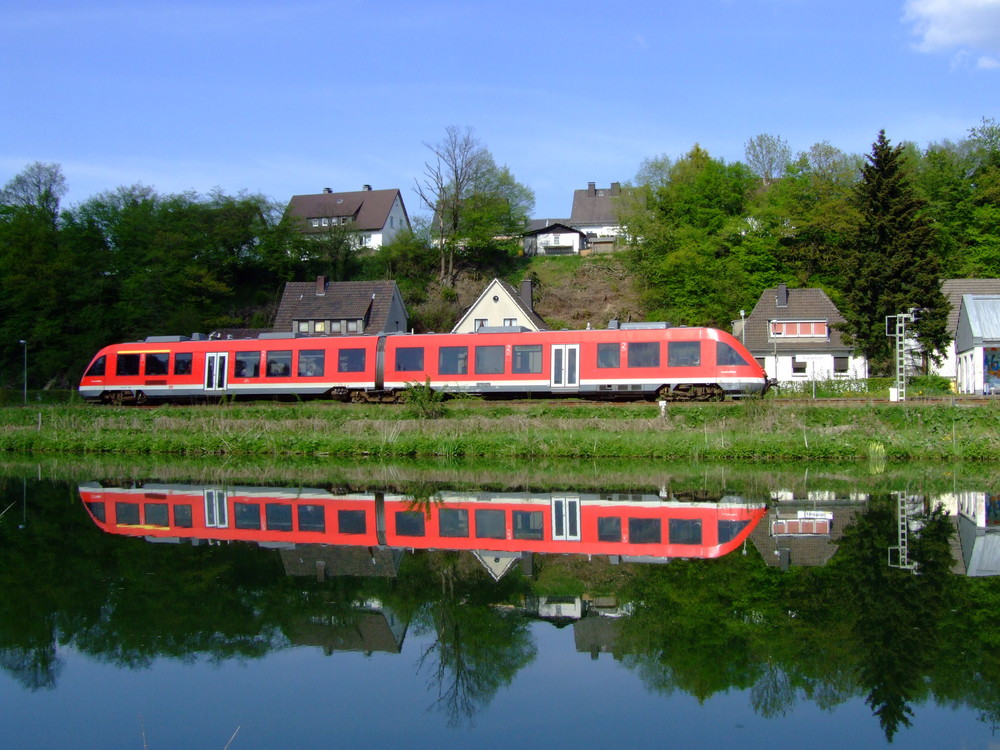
(895, 326)
(25, 344)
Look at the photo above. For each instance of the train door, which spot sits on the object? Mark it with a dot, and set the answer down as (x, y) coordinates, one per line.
(566, 519)
(565, 366)
(216, 509)
(216, 366)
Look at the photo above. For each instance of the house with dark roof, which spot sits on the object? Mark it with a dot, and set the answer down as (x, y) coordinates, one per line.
(953, 291)
(500, 305)
(977, 344)
(375, 216)
(324, 308)
(792, 334)
(548, 237)
(595, 213)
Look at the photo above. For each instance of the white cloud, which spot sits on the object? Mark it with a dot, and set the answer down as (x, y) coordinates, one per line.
(968, 28)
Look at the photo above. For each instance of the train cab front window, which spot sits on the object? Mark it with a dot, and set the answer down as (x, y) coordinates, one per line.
(609, 356)
(684, 354)
(727, 356)
(96, 370)
(182, 363)
(157, 363)
(644, 354)
(729, 530)
(97, 511)
(127, 365)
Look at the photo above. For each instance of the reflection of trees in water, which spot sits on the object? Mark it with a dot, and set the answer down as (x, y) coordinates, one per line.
(772, 694)
(36, 669)
(478, 648)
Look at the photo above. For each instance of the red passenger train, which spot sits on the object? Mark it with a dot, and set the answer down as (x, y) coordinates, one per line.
(642, 526)
(627, 362)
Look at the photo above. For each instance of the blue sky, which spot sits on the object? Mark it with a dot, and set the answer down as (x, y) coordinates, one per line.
(292, 97)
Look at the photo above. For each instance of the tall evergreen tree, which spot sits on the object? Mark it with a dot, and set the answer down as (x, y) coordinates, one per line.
(892, 265)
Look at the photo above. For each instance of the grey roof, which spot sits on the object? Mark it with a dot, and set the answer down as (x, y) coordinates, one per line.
(369, 301)
(983, 314)
(368, 209)
(595, 205)
(955, 289)
(549, 226)
(803, 305)
(536, 225)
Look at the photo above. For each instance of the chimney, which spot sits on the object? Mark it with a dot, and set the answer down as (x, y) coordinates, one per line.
(782, 295)
(527, 289)
(327, 190)
(591, 189)
(320, 286)
(366, 188)
(616, 188)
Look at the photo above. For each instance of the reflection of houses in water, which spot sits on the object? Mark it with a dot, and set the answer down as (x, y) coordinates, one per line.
(369, 627)
(323, 561)
(979, 532)
(803, 530)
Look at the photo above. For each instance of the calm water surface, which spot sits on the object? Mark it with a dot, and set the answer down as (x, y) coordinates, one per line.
(163, 627)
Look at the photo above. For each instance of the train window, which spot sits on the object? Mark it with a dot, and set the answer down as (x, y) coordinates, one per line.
(645, 530)
(489, 360)
(410, 359)
(725, 355)
(127, 513)
(685, 531)
(278, 516)
(279, 364)
(491, 524)
(453, 360)
(182, 363)
(410, 523)
(351, 360)
(96, 510)
(127, 364)
(311, 363)
(609, 529)
(96, 370)
(609, 355)
(729, 530)
(684, 354)
(247, 515)
(644, 354)
(157, 363)
(312, 518)
(453, 522)
(351, 522)
(246, 365)
(528, 524)
(527, 359)
(182, 516)
(157, 514)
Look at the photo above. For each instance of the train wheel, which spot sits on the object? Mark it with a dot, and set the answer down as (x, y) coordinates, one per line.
(140, 398)
(358, 397)
(116, 398)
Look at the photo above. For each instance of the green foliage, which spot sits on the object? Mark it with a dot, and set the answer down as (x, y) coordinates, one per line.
(423, 402)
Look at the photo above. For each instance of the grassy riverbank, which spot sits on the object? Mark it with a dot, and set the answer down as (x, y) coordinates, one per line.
(752, 430)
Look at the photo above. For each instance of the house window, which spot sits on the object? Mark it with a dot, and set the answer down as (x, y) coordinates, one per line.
(841, 364)
(479, 323)
(326, 222)
(336, 326)
(319, 326)
(510, 321)
(798, 328)
(303, 326)
(315, 222)
(353, 326)
(798, 366)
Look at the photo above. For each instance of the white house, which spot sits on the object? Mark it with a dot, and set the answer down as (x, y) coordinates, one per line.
(977, 344)
(500, 305)
(792, 334)
(953, 291)
(375, 216)
(548, 237)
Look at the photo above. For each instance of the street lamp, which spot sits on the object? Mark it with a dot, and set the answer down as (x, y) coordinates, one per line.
(25, 343)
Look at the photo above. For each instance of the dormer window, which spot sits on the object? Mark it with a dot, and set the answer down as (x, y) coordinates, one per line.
(798, 329)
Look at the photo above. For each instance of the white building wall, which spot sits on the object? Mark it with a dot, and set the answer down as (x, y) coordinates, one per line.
(970, 371)
(560, 240)
(494, 313)
(818, 367)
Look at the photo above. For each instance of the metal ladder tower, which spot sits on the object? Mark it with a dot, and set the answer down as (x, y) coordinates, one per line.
(899, 556)
(895, 326)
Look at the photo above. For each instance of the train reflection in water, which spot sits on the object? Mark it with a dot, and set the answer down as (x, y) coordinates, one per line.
(627, 527)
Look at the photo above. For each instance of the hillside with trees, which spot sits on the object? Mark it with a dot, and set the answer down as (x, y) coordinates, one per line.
(703, 238)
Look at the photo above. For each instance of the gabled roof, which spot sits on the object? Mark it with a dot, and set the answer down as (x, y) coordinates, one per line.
(550, 226)
(510, 291)
(981, 313)
(369, 301)
(955, 289)
(595, 205)
(802, 305)
(367, 209)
